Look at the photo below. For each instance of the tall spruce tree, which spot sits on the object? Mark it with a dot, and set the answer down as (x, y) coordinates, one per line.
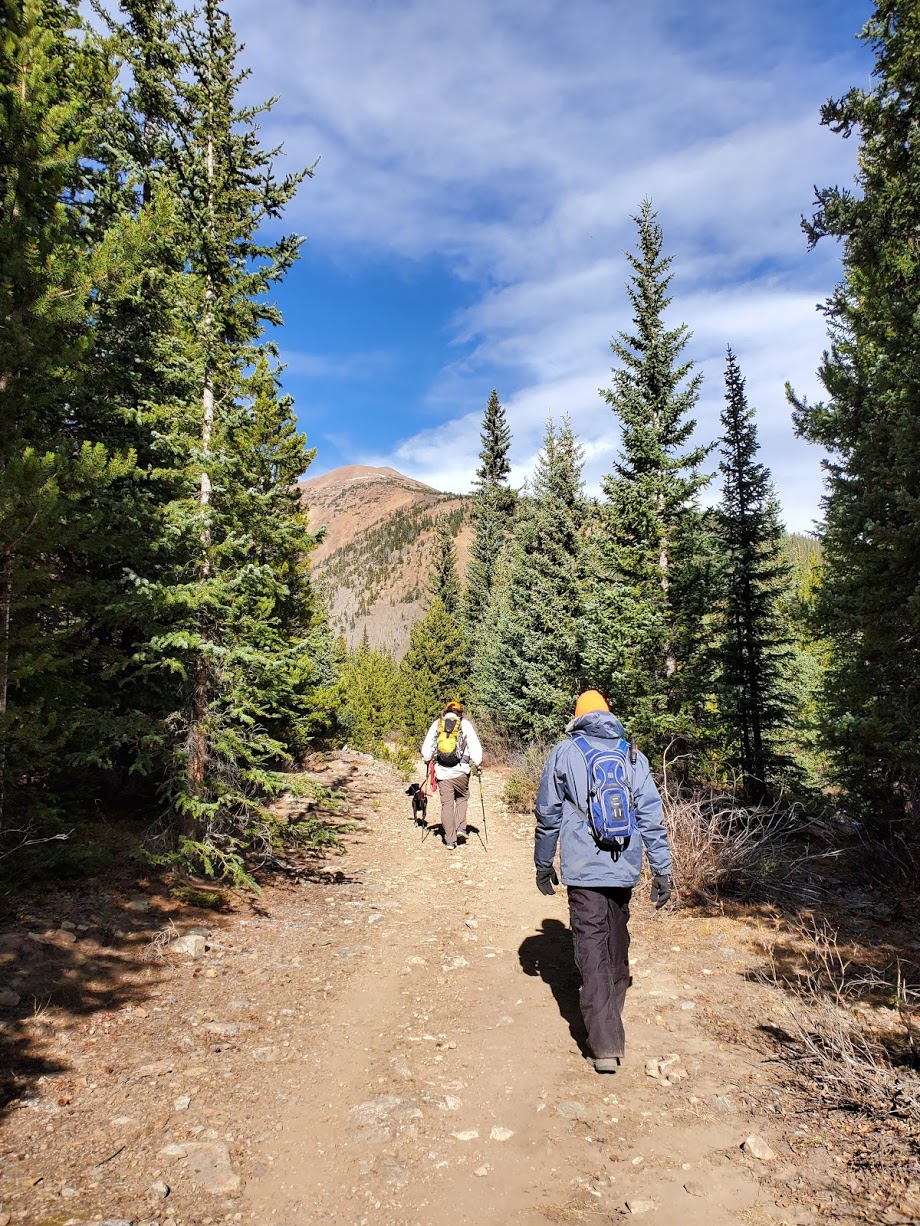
(434, 669)
(234, 607)
(869, 604)
(445, 577)
(53, 471)
(753, 643)
(526, 672)
(493, 511)
(648, 596)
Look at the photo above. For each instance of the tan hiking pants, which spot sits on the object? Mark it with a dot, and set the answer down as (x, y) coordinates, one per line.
(455, 795)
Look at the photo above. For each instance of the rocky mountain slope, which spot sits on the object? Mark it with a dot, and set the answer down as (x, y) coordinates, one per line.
(374, 559)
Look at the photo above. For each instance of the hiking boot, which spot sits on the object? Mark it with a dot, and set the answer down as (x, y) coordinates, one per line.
(606, 1064)
(451, 846)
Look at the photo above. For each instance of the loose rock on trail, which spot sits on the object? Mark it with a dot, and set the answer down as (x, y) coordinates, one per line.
(397, 1041)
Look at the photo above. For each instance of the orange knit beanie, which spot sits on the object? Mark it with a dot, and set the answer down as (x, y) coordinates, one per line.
(590, 700)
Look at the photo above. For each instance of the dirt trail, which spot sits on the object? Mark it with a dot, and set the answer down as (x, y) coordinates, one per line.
(446, 1083)
(394, 1041)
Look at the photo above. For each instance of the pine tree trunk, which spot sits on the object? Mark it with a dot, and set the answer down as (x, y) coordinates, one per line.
(6, 603)
(197, 741)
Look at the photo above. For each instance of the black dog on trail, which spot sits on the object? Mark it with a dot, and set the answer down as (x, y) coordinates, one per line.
(419, 803)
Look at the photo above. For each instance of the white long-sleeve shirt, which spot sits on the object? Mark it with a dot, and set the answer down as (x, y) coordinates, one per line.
(470, 749)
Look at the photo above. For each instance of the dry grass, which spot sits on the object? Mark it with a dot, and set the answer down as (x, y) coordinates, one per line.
(859, 1059)
(156, 949)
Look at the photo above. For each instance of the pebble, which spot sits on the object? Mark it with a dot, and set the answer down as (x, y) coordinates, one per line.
(227, 1030)
(194, 946)
(501, 1134)
(69, 1193)
(174, 1151)
(59, 936)
(9, 999)
(469, 1134)
(482, 1171)
(375, 918)
(265, 1055)
(641, 1206)
(183, 1103)
(211, 1167)
(158, 1069)
(393, 1172)
(692, 1188)
(756, 1147)
(158, 1190)
(570, 1109)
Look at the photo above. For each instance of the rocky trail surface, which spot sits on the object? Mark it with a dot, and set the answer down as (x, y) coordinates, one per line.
(395, 1040)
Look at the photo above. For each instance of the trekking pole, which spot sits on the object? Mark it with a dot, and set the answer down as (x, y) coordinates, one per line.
(485, 828)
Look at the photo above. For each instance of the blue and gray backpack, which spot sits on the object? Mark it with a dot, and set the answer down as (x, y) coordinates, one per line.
(611, 806)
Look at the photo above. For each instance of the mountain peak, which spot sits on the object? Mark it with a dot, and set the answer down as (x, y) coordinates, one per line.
(338, 479)
(376, 552)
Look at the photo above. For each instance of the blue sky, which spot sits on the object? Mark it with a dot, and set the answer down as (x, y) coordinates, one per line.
(468, 219)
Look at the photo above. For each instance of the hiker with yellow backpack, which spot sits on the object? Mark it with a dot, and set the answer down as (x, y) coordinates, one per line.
(453, 748)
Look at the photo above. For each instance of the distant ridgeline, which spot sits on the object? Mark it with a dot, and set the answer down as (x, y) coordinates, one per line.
(374, 561)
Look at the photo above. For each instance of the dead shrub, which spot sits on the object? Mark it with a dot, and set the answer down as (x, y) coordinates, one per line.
(527, 764)
(720, 846)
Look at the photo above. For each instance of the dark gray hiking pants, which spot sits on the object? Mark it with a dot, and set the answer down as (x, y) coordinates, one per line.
(455, 795)
(599, 918)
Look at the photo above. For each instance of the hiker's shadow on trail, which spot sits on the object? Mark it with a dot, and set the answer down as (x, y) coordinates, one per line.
(550, 954)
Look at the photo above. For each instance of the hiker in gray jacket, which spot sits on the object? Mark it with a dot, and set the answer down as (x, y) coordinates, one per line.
(598, 879)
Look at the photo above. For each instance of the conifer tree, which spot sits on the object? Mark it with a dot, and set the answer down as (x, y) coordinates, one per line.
(52, 472)
(493, 511)
(752, 641)
(648, 592)
(368, 688)
(235, 611)
(527, 668)
(445, 578)
(434, 668)
(870, 424)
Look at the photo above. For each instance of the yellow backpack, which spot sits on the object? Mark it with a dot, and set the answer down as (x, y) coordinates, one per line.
(450, 742)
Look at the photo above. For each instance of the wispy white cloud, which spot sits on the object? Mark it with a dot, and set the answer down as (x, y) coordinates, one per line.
(353, 367)
(513, 138)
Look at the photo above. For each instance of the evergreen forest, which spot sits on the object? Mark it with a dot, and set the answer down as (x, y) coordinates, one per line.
(164, 650)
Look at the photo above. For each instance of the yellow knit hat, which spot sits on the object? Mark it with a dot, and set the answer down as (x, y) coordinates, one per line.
(590, 700)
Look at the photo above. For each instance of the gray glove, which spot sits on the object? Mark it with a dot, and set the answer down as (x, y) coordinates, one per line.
(661, 889)
(546, 879)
